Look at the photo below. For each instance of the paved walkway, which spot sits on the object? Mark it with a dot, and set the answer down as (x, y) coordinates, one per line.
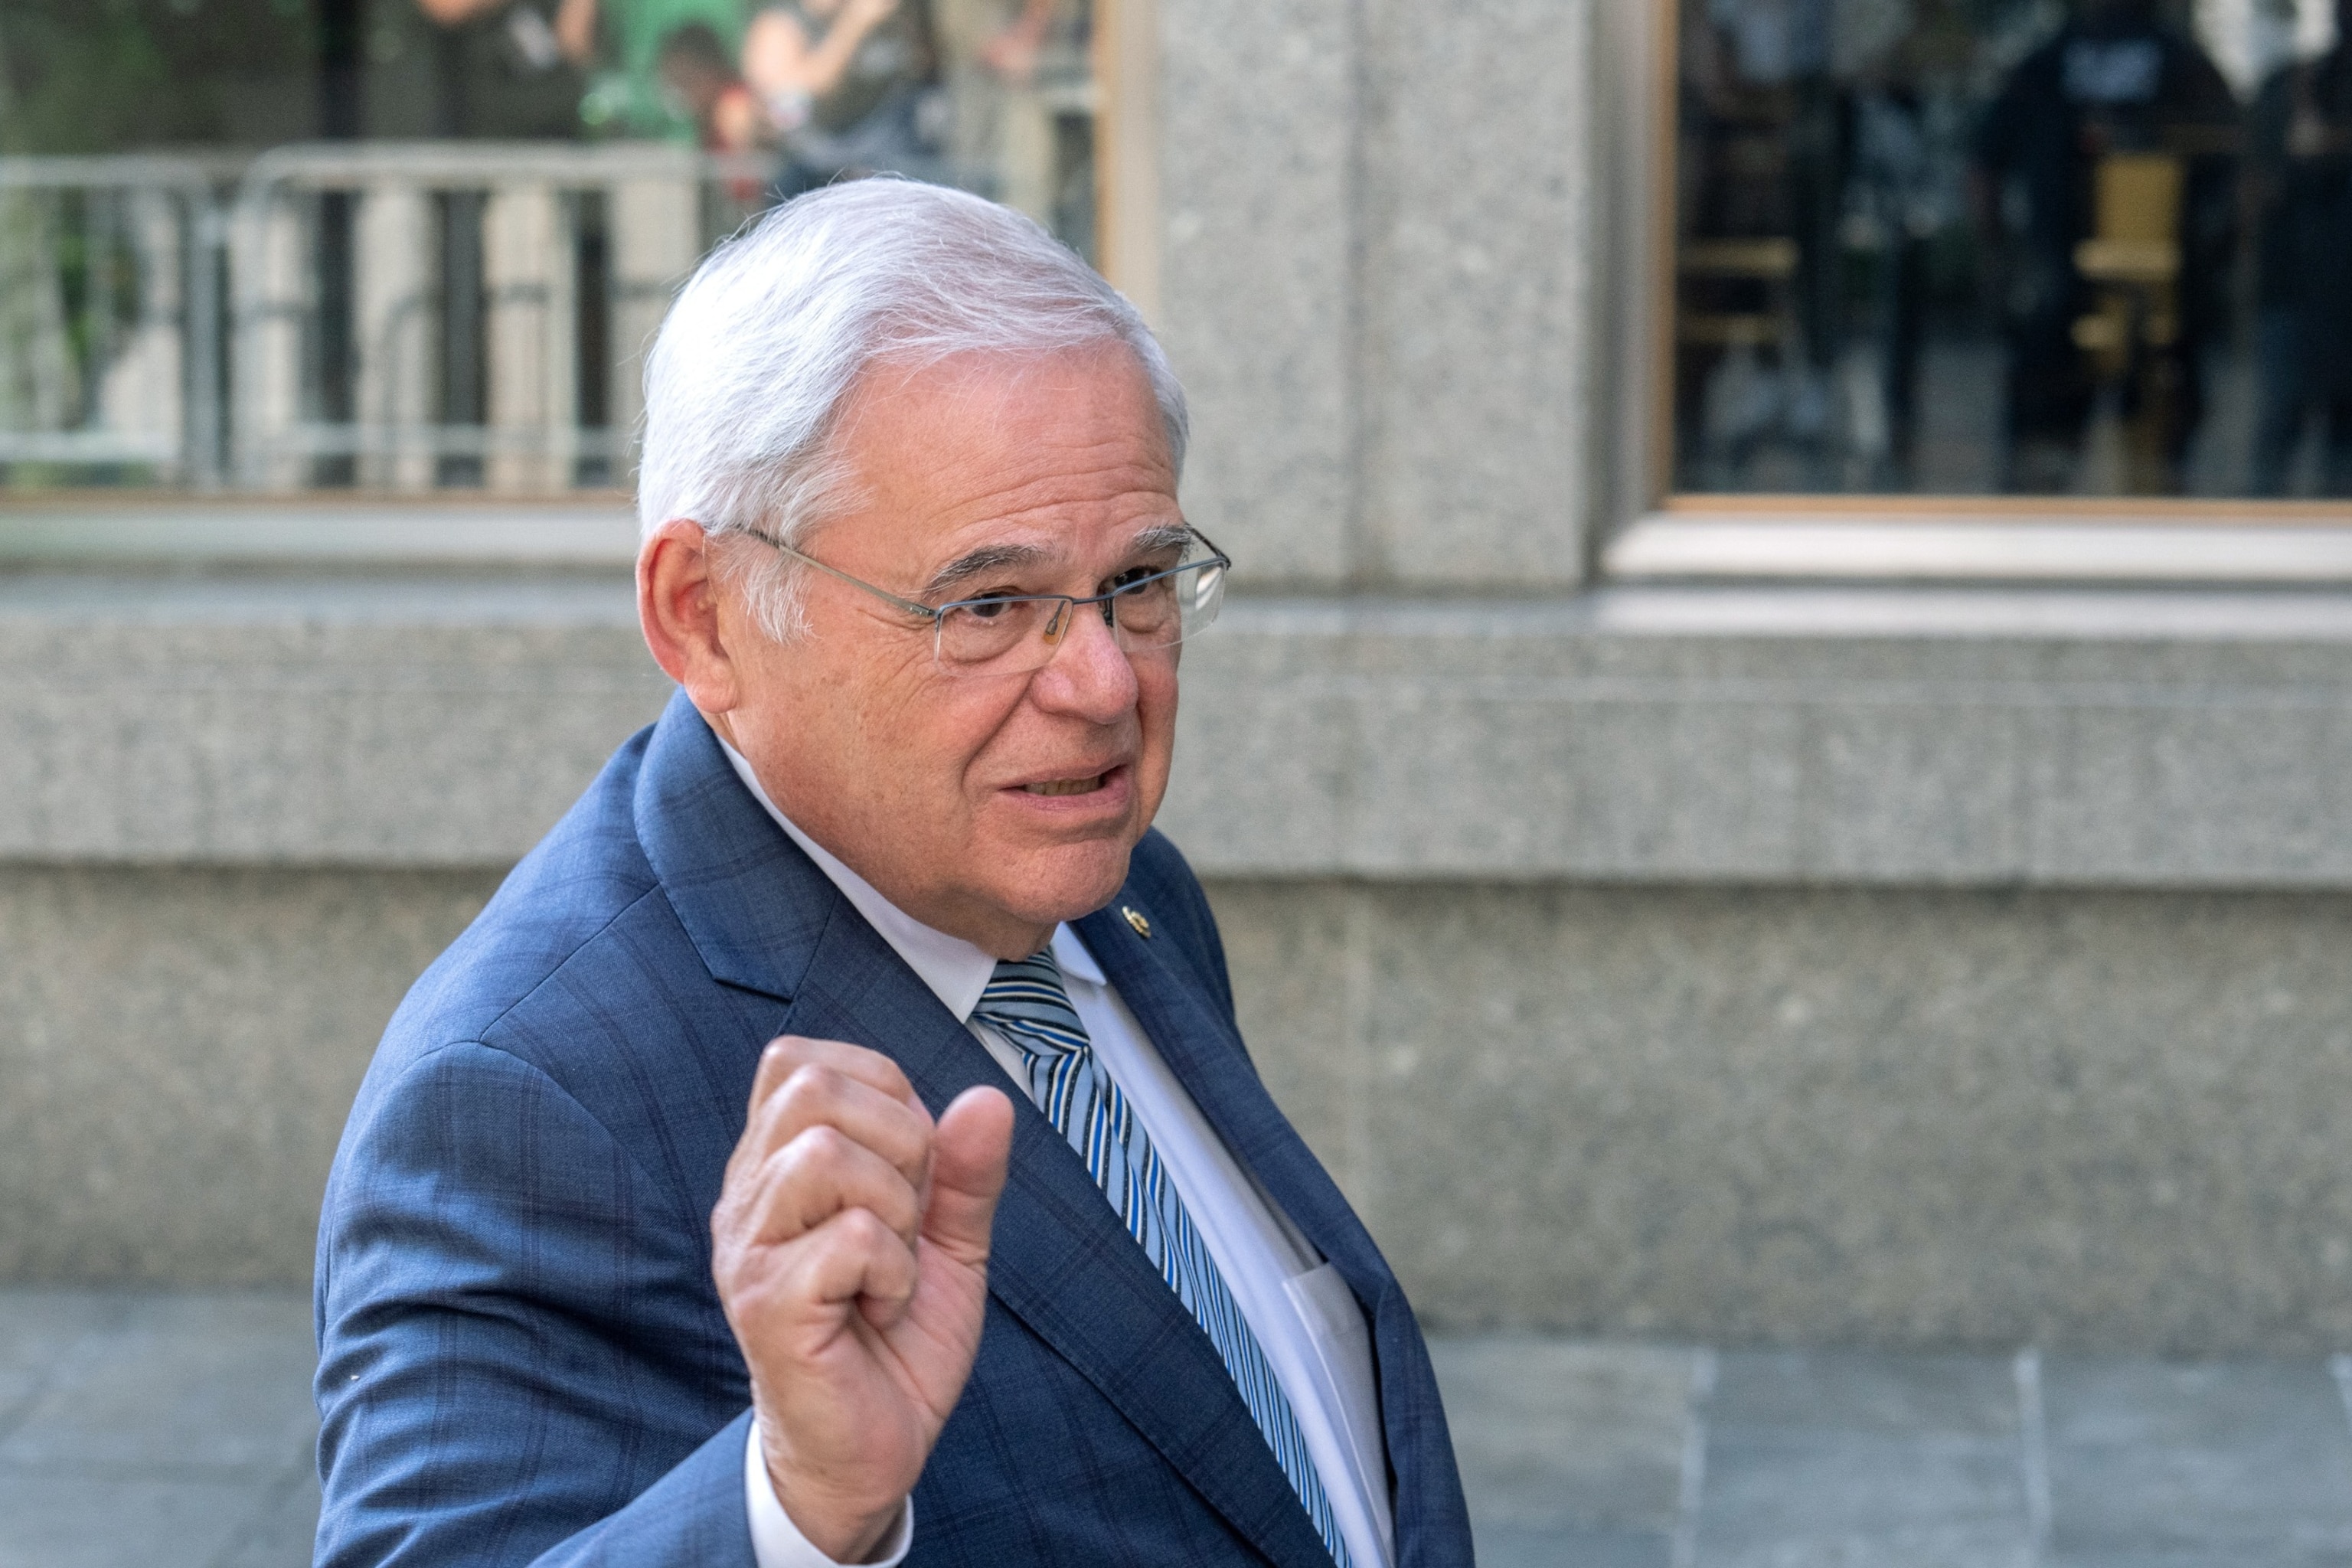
(147, 1430)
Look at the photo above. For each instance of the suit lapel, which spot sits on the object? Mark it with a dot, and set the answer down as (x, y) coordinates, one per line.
(764, 918)
(1208, 1059)
(1062, 1263)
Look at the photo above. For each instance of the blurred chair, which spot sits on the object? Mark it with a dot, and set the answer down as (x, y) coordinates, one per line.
(2133, 264)
(1767, 267)
(1736, 309)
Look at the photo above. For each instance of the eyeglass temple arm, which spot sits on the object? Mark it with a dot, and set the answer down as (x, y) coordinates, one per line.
(920, 611)
(1222, 559)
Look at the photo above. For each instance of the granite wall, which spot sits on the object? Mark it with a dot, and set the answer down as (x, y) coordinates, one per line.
(1746, 1114)
(1810, 1115)
(1379, 285)
(178, 1047)
(1907, 966)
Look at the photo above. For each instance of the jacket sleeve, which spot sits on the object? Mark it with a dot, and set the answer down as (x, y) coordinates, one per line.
(518, 1362)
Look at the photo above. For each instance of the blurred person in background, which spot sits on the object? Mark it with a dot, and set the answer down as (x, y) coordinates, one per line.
(628, 94)
(1013, 45)
(1888, 212)
(704, 83)
(508, 69)
(852, 87)
(1761, 155)
(1890, 204)
(2300, 190)
(2116, 80)
(1009, 66)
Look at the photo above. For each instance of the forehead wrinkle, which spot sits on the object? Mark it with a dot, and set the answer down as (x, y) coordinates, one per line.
(1045, 476)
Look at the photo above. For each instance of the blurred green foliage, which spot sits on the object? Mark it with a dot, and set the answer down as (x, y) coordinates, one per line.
(101, 76)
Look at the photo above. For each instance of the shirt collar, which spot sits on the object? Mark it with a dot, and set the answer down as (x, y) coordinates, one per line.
(955, 971)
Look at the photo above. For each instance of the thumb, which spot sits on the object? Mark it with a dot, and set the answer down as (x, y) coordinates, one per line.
(969, 1153)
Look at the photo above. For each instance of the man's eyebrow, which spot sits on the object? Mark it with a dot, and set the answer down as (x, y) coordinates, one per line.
(991, 558)
(1161, 536)
(977, 563)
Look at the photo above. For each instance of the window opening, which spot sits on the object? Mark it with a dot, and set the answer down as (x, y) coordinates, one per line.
(415, 246)
(2010, 247)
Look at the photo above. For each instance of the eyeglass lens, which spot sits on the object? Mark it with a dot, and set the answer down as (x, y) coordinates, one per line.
(1011, 635)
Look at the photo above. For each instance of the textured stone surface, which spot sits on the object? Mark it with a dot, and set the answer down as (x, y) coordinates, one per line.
(1456, 841)
(395, 721)
(1257, 160)
(1477, 194)
(1378, 284)
(178, 1048)
(2246, 1464)
(1900, 1118)
(75, 1521)
(1688, 735)
(1577, 1453)
(161, 1429)
(1903, 1118)
(1844, 1458)
(1653, 735)
(187, 1387)
(1563, 1433)
(1895, 1117)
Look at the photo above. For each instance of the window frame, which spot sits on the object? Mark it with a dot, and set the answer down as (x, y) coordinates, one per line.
(1648, 528)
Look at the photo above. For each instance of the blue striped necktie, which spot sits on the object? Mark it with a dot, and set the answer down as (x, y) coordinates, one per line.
(1025, 1003)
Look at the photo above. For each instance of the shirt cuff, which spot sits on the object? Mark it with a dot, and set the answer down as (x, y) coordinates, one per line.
(776, 1541)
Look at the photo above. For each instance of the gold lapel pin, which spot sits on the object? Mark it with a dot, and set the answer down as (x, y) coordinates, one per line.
(1135, 917)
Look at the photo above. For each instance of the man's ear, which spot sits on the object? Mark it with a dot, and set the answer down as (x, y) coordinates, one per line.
(677, 607)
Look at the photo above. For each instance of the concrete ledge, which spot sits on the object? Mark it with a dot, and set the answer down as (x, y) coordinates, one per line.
(1952, 737)
(1693, 735)
(396, 722)
(593, 532)
(2283, 542)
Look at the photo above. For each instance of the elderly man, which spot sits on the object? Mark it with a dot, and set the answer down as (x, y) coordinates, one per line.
(1010, 1259)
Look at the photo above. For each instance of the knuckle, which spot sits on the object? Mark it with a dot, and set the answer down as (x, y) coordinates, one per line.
(809, 1085)
(819, 1159)
(800, 1164)
(865, 1228)
(823, 1144)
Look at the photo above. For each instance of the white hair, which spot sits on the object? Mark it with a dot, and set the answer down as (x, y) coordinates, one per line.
(745, 383)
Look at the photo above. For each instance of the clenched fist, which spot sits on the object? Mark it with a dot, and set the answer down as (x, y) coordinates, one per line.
(851, 1253)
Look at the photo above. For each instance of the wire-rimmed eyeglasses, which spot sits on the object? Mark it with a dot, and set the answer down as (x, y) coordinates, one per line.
(1013, 634)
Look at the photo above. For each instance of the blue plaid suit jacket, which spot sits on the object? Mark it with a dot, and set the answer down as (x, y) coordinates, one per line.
(522, 1356)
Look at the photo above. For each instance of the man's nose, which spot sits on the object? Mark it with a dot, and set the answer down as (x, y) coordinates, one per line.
(1089, 676)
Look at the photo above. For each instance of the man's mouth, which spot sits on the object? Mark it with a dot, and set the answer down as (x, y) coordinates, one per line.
(1067, 786)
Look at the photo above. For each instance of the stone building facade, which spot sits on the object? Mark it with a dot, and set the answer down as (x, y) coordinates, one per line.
(1746, 954)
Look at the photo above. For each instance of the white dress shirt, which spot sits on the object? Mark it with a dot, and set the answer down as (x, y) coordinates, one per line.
(1305, 1317)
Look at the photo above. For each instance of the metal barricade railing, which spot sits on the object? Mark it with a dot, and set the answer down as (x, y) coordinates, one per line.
(412, 315)
(110, 317)
(390, 316)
